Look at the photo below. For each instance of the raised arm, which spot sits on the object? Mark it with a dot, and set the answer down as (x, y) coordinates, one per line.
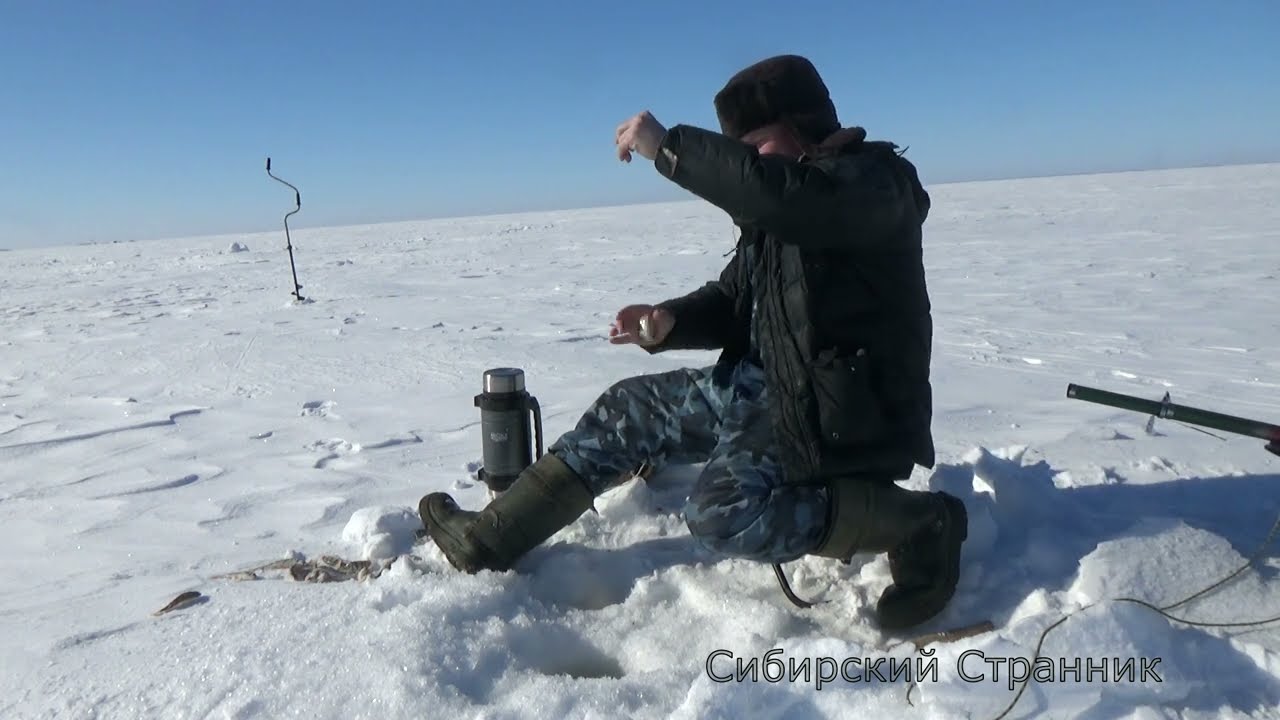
(857, 201)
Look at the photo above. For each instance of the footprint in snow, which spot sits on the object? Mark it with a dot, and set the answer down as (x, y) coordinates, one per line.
(336, 445)
(575, 656)
(318, 408)
(334, 450)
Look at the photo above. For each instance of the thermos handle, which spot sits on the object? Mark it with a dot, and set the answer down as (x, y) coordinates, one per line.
(537, 424)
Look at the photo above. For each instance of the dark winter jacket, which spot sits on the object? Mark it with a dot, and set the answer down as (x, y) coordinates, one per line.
(845, 330)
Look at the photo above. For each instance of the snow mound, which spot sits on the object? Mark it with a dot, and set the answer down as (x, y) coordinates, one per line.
(1157, 556)
(382, 533)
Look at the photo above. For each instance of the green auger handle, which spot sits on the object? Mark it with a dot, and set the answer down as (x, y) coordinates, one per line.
(1182, 413)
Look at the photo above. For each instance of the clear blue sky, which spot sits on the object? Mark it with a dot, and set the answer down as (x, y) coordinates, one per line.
(136, 120)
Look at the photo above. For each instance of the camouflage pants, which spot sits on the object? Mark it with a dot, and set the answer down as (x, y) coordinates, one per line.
(740, 505)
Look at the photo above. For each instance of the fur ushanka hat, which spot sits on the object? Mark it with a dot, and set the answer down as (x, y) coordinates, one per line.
(785, 87)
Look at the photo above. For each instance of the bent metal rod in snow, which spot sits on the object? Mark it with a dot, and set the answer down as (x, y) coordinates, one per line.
(297, 198)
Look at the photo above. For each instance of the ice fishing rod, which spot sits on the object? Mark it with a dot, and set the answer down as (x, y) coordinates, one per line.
(297, 196)
(1181, 413)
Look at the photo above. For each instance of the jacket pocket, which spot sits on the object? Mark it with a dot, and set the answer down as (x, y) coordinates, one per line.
(849, 408)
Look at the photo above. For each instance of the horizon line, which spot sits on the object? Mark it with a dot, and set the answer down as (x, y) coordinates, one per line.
(605, 206)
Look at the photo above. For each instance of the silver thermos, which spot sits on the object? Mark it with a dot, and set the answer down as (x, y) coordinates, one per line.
(505, 409)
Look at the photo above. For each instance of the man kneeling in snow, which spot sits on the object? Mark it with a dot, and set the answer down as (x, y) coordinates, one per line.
(820, 399)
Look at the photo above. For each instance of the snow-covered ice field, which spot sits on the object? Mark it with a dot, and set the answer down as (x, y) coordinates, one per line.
(168, 414)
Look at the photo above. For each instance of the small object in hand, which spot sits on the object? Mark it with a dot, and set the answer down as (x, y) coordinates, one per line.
(646, 329)
(185, 600)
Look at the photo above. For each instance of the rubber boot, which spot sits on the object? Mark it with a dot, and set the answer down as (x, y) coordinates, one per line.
(921, 531)
(545, 498)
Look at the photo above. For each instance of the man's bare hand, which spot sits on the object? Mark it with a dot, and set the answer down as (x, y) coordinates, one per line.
(642, 135)
(643, 325)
